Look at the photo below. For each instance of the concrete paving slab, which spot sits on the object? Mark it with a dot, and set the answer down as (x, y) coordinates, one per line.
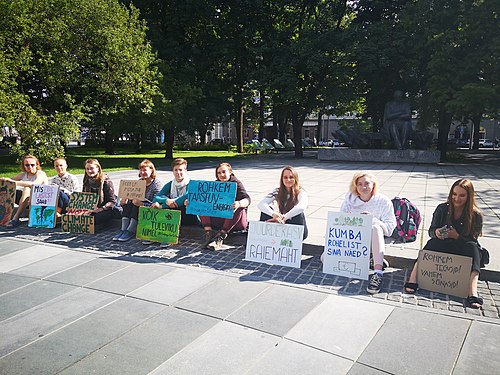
(9, 246)
(146, 346)
(32, 324)
(23, 257)
(55, 264)
(222, 296)
(10, 282)
(359, 369)
(174, 286)
(341, 325)
(479, 354)
(130, 278)
(90, 271)
(225, 349)
(75, 341)
(277, 309)
(412, 340)
(289, 357)
(30, 296)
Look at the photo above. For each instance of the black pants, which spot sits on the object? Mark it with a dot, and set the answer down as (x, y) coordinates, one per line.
(300, 219)
(457, 247)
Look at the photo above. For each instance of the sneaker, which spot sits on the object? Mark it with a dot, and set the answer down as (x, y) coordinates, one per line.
(118, 235)
(164, 245)
(147, 242)
(207, 238)
(375, 283)
(217, 241)
(13, 223)
(126, 236)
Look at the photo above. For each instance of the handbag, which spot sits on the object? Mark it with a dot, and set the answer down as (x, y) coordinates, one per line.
(485, 256)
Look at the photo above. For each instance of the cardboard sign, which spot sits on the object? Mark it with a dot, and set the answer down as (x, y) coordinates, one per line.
(158, 225)
(132, 189)
(80, 203)
(211, 198)
(77, 224)
(347, 245)
(274, 243)
(444, 273)
(43, 206)
(7, 200)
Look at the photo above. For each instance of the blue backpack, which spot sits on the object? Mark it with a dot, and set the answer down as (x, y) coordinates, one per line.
(408, 220)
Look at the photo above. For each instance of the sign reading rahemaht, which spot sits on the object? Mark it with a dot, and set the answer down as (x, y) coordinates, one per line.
(444, 273)
(211, 198)
(43, 206)
(347, 245)
(77, 219)
(273, 243)
(158, 225)
(132, 189)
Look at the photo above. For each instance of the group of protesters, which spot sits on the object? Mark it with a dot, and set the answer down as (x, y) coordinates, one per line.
(455, 227)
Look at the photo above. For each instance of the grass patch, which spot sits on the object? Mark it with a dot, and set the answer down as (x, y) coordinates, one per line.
(123, 159)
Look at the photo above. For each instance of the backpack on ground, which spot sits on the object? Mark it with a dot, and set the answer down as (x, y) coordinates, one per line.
(408, 220)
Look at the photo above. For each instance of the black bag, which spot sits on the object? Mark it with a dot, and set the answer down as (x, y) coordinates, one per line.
(485, 256)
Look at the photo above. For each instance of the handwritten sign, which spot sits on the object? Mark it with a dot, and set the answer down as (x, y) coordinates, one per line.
(77, 224)
(80, 203)
(273, 243)
(43, 206)
(132, 189)
(211, 198)
(7, 200)
(158, 225)
(444, 273)
(347, 245)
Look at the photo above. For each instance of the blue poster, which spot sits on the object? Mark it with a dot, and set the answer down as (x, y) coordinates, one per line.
(211, 198)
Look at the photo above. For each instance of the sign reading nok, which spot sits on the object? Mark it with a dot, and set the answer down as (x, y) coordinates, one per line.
(76, 219)
(347, 245)
(132, 189)
(158, 225)
(211, 198)
(273, 243)
(43, 206)
(444, 273)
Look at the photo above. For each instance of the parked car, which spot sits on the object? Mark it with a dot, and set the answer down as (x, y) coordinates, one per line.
(330, 143)
(486, 143)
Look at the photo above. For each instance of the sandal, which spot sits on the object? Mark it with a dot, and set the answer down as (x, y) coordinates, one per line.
(13, 224)
(475, 302)
(411, 288)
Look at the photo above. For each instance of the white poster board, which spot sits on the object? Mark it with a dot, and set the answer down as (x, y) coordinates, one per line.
(347, 245)
(273, 243)
(43, 206)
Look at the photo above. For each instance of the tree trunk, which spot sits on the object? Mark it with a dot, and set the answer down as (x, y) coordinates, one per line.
(261, 115)
(318, 128)
(444, 123)
(108, 141)
(169, 143)
(476, 123)
(239, 121)
(297, 133)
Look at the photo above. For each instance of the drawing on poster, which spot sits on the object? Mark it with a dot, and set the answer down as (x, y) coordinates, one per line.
(7, 200)
(43, 206)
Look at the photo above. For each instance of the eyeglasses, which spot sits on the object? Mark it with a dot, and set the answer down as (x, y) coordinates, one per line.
(29, 165)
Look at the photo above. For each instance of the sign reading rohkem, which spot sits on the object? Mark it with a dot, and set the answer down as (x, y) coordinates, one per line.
(158, 225)
(273, 243)
(211, 198)
(444, 273)
(132, 189)
(347, 245)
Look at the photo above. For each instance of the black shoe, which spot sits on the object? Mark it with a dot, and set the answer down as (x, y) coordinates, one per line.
(375, 283)
(217, 241)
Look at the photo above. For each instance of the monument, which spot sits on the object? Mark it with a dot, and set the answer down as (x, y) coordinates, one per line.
(397, 120)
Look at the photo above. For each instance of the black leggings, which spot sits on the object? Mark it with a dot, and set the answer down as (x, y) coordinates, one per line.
(451, 246)
(299, 219)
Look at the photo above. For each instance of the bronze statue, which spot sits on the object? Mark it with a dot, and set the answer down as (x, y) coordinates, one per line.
(397, 120)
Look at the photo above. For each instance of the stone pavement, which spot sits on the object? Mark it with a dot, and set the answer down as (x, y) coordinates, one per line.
(80, 303)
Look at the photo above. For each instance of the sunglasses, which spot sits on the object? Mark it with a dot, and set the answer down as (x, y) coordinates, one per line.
(29, 165)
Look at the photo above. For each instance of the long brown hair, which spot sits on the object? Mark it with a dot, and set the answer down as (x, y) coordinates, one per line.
(286, 203)
(470, 208)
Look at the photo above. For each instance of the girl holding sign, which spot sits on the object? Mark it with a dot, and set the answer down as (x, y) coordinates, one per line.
(224, 173)
(287, 203)
(363, 198)
(96, 181)
(455, 228)
(130, 216)
(31, 174)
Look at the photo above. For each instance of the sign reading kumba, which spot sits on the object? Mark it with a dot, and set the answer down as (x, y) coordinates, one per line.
(132, 189)
(347, 245)
(76, 219)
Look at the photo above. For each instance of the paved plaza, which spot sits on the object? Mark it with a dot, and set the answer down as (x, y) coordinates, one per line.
(83, 304)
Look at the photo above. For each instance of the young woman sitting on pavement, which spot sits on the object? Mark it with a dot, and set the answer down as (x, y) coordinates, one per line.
(96, 181)
(31, 174)
(455, 228)
(130, 215)
(224, 173)
(287, 203)
(67, 183)
(363, 198)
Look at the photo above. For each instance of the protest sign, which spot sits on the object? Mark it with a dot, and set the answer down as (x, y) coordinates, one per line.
(347, 245)
(43, 206)
(132, 189)
(77, 224)
(273, 243)
(80, 203)
(7, 200)
(158, 225)
(444, 273)
(211, 198)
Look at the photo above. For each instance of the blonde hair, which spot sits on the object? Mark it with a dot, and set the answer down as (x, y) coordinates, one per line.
(353, 187)
(148, 163)
(37, 162)
(179, 161)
